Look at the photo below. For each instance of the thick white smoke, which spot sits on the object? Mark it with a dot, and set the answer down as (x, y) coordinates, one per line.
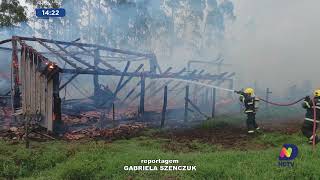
(275, 43)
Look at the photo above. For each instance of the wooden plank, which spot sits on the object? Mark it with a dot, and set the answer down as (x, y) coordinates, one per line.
(50, 105)
(121, 78)
(96, 84)
(128, 80)
(57, 54)
(164, 107)
(68, 81)
(213, 102)
(131, 92)
(33, 86)
(142, 90)
(100, 60)
(15, 91)
(37, 87)
(23, 78)
(38, 92)
(74, 57)
(186, 105)
(43, 100)
(159, 89)
(197, 109)
(28, 97)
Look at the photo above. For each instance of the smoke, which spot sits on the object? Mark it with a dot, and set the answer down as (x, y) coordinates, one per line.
(275, 43)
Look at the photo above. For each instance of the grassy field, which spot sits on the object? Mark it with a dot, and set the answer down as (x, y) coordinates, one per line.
(102, 160)
(90, 159)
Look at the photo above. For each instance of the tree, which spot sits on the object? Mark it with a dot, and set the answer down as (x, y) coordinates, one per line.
(45, 3)
(11, 13)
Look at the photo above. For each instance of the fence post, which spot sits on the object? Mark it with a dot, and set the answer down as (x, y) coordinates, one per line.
(96, 77)
(141, 107)
(213, 102)
(113, 115)
(186, 104)
(164, 108)
(206, 98)
(27, 127)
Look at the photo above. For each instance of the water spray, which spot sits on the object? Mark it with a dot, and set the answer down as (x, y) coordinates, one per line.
(199, 83)
(231, 90)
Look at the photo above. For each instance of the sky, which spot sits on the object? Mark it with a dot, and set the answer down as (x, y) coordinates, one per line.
(275, 42)
(272, 42)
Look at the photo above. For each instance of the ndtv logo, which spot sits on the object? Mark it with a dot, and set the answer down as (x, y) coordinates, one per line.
(288, 153)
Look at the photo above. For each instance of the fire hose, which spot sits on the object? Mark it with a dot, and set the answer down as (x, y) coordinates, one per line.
(282, 104)
(314, 115)
(269, 102)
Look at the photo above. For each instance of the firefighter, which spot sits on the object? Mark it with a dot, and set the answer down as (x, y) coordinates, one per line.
(251, 106)
(307, 128)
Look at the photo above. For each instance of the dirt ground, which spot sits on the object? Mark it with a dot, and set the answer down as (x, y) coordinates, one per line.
(229, 136)
(224, 135)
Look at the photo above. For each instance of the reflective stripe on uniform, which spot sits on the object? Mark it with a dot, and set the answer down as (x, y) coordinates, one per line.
(311, 137)
(250, 103)
(309, 119)
(307, 104)
(317, 107)
(248, 111)
(242, 98)
(251, 131)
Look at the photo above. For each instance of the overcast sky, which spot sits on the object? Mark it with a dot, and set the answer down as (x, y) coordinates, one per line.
(276, 42)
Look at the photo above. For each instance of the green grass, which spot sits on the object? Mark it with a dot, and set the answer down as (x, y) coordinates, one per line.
(274, 113)
(101, 160)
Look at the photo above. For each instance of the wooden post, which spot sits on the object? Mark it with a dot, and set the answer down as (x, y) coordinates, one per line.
(15, 91)
(206, 97)
(56, 103)
(27, 123)
(164, 108)
(49, 105)
(113, 115)
(96, 77)
(23, 77)
(141, 107)
(213, 102)
(186, 105)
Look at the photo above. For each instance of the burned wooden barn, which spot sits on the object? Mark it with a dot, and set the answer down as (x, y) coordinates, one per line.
(42, 71)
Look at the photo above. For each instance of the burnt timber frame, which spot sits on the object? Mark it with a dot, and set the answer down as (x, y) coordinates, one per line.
(79, 65)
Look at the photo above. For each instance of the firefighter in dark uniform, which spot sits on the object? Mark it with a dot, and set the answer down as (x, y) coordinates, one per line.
(307, 128)
(251, 106)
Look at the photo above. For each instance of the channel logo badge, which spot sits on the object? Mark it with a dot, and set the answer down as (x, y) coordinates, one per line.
(288, 152)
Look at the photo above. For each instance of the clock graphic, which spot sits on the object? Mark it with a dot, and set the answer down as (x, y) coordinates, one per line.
(50, 12)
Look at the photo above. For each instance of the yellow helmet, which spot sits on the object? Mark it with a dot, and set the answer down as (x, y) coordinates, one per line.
(250, 91)
(316, 93)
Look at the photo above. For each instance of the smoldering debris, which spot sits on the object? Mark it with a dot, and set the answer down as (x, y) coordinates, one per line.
(122, 131)
(19, 134)
(93, 118)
